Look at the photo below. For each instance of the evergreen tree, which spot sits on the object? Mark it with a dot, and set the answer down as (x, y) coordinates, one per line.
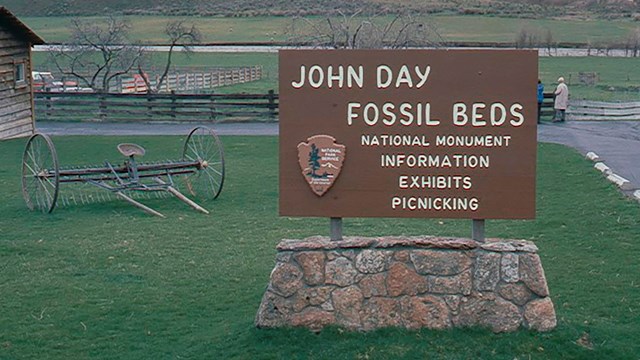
(314, 160)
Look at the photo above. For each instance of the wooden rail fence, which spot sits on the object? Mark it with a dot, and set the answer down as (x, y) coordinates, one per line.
(604, 111)
(156, 107)
(547, 111)
(56, 106)
(193, 81)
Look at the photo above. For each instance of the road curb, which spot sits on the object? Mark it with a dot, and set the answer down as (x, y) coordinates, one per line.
(593, 156)
(618, 180)
(621, 182)
(600, 166)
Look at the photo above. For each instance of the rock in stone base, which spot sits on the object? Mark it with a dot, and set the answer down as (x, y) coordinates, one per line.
(540, 315)
(412, 282)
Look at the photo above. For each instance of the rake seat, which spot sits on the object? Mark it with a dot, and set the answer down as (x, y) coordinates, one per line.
(130, 150)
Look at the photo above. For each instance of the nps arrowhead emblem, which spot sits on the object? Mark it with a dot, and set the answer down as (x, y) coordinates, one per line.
(321, 159)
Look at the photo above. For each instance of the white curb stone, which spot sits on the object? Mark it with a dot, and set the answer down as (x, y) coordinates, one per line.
(636, 195)
(621, 182)
(600, 166)
(593, 156)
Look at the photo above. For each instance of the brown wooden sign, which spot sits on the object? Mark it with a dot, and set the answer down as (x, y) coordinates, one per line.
(411, 133)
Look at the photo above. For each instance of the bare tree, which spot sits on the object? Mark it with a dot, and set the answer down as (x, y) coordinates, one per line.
(633, 42)
(521, 38)
(356, 31)
(527, 38)
(97, 52)
(179, 35)
(535, 38)
(548, 41)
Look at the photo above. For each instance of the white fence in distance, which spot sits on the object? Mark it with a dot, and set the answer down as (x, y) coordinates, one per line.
(603, 111)
(191, 82)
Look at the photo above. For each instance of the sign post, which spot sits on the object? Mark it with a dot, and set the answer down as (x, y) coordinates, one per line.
(336, 228)
(477, 230)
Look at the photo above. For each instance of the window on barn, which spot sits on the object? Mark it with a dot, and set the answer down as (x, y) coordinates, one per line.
(20, 76)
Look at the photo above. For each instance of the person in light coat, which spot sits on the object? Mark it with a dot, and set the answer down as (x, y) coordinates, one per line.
(561, 101)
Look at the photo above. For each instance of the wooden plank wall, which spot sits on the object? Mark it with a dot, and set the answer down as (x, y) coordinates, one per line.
(16, 106)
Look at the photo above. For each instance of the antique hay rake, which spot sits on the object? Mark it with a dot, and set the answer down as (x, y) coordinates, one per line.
(201, 167)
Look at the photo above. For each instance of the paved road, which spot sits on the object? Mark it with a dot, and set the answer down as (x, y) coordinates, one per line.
(618, 143)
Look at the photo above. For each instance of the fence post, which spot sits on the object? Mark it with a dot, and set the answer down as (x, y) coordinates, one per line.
(212, 108)
(149, 106)
(272, 105)
(47, 103)
(102, 107)
(173, 104)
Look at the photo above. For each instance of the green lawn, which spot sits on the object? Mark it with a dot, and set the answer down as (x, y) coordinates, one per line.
(268, 29)
(110, 282)
(619, 78)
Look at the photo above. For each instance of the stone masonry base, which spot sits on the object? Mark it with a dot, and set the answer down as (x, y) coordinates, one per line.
(413, 282)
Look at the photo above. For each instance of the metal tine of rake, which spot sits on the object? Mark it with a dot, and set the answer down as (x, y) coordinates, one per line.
(99, 196)
(63, 200)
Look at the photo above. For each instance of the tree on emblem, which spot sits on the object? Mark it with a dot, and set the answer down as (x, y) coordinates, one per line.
(314, 163)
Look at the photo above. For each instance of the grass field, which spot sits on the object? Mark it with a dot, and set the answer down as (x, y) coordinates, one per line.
(267, 29)
(619, 73)
(243, 8)
(107, 281)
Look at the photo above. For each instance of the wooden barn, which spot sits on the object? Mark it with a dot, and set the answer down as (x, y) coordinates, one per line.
(16, 93)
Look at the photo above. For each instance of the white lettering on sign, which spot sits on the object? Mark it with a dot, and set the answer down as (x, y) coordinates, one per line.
(385, 76)
(469, 161)
(473, 140)
(461, 116)
(405, 114)
(316, 76)
(434, 203)
(438, 182)
(394, 140)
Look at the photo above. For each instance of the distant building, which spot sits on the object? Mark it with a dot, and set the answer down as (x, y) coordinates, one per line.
(17, 116)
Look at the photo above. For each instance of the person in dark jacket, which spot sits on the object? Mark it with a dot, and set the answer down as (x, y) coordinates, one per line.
(540, 98)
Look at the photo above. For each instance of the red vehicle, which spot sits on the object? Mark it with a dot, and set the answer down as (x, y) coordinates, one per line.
(44, 81)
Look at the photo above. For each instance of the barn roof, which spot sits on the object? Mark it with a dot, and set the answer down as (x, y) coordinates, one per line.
(14, 25)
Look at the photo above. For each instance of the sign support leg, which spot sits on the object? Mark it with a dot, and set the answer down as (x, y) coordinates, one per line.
(477, 230)
(336, 228)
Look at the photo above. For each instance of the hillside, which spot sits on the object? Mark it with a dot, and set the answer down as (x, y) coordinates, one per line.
(522, 8)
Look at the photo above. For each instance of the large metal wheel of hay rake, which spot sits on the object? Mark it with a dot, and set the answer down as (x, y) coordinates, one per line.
(203, 145)
(40, 174)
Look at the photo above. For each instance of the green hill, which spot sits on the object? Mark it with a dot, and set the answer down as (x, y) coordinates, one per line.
(522, 8)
